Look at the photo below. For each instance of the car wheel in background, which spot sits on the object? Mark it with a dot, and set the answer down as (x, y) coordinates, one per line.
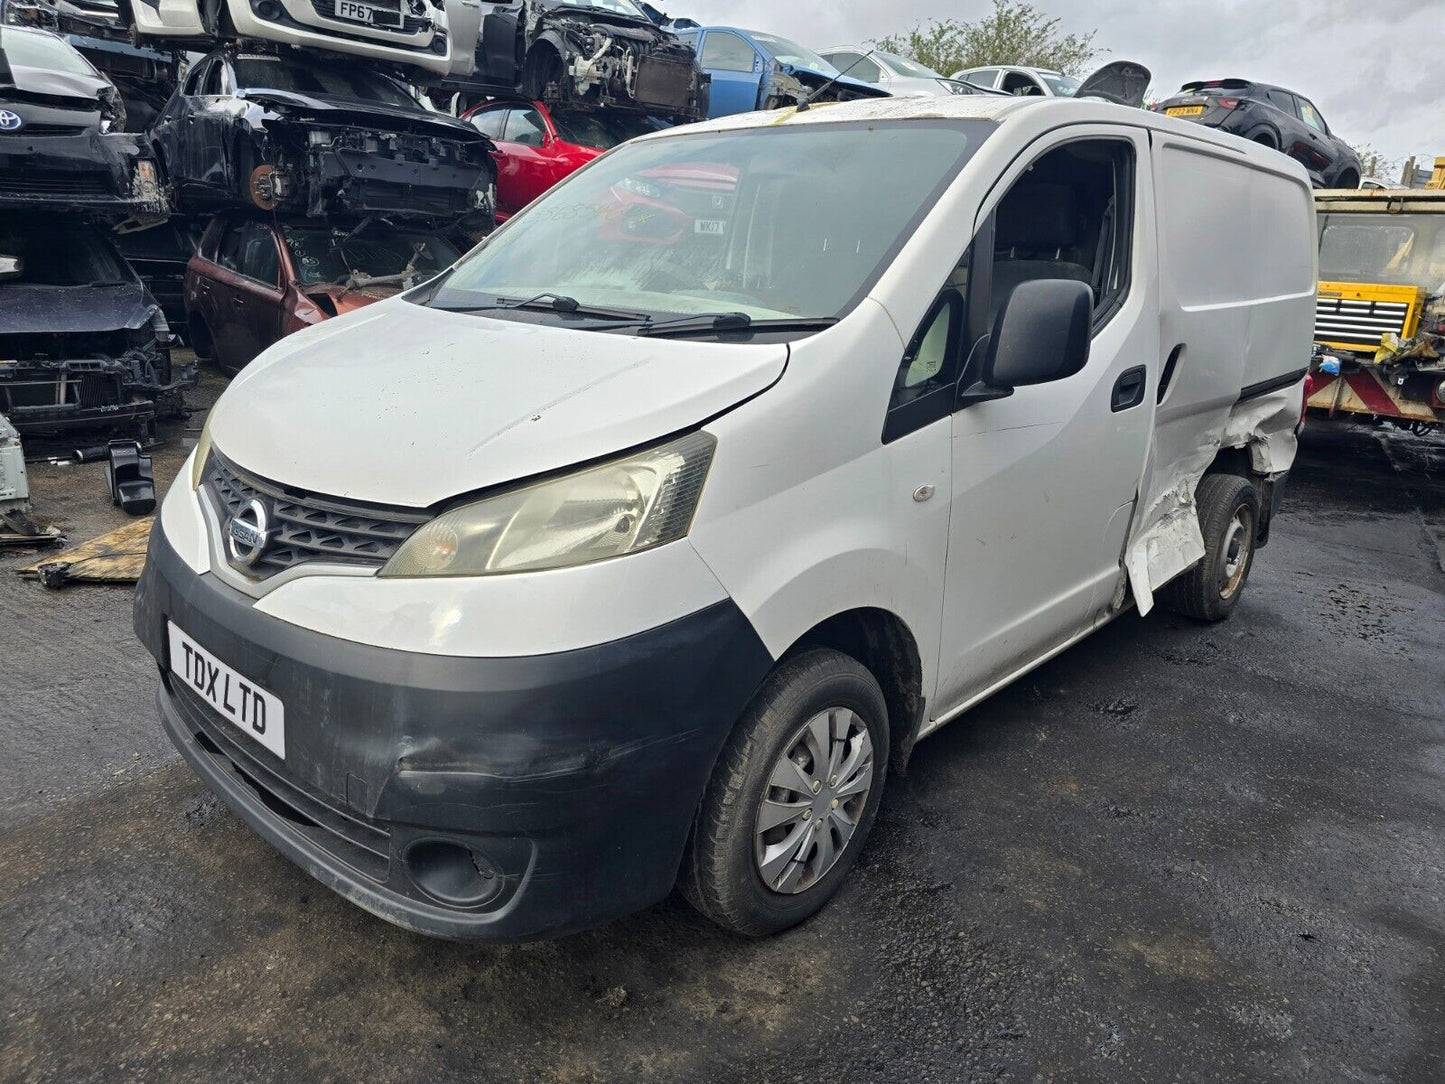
(792, 797)
(1229, 520)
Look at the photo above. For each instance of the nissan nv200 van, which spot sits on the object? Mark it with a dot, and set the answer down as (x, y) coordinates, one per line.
(636, 547)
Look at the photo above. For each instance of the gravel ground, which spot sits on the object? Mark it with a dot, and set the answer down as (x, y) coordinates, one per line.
(1173, 853)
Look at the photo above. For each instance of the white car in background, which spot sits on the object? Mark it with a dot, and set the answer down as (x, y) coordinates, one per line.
(1021, 81)
(896, 74)
(439, 36)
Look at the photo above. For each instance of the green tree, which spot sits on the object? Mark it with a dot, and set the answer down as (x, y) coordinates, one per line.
(1014, 33)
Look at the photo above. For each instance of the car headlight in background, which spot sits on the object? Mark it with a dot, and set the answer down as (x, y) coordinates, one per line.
(623, 506)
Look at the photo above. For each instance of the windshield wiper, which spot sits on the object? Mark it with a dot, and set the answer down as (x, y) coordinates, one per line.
(550, 302)
(733, 321)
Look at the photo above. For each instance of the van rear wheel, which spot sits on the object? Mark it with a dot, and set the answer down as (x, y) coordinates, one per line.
(1229, 520)
(792, 798)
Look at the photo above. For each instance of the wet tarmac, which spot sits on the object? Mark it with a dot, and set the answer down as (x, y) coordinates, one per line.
(1174, 853)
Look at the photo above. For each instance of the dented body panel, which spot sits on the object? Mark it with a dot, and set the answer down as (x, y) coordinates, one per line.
(83, 344)
(64, 149)
(582, 57)
(226, 144)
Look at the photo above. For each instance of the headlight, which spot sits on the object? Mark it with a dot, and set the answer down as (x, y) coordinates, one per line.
(621, 507)
(203, 452)
(641, 187)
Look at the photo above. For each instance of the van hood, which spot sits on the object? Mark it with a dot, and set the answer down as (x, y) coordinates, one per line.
(404, 405)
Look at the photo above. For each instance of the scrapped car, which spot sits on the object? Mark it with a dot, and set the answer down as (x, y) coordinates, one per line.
(159, 255)
(538, 146)
(61, 140)
(592, 568)
(92, 18)
(594, 54)
(255, 279)
(750, 70)
(1021, 81)
(437, 36)
(83, 345)
(145, 77)
(896, 74)
(1274, 117)
(316, 137)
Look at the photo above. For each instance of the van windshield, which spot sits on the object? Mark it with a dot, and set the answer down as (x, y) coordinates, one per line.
(776, 222)
(1406, 250)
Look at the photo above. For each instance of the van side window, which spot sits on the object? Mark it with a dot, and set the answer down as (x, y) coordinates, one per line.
(1070, 216)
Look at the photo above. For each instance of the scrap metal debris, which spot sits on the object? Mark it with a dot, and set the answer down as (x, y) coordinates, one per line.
(117, 557)
(16, 529)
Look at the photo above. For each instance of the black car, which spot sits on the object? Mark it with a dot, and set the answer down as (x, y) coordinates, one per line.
(588, 54)
(1272, 116)
(62, 143)
(316, 137)
(159, 255)
(83, 344)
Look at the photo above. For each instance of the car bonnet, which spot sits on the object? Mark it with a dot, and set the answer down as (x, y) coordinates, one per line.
(404, 405)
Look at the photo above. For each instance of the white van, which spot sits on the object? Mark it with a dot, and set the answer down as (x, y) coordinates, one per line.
(635, 547)
(438, 36)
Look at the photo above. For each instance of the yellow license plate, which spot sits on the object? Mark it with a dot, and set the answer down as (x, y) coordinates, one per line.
(1184, 111)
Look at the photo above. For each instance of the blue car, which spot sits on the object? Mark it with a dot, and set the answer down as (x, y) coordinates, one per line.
(752, 71)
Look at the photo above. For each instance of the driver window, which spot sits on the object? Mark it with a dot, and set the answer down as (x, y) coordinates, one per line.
(525, 126)
(726, 52)
(1020, 84)
(1070, 216)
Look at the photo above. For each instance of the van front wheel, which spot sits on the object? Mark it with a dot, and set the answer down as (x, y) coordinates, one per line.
(1229, 520)
(793, 796)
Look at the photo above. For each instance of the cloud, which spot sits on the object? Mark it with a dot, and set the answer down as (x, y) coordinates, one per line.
(1359, 63)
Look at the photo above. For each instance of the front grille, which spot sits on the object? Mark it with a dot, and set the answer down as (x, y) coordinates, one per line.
(1358, 322)
(50, 183)
(308, 527)
(54, 129)
(23, 389)
(361, 844)
(410, 24)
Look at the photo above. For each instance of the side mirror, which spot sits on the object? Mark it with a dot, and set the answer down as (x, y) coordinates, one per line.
(1041, 334)
(11, 267)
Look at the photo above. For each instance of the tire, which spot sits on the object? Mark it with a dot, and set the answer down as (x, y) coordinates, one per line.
(1348, 179)
(200, 338)
(722, 873)
(1229, 520)
(1264, 139)
(542, 68)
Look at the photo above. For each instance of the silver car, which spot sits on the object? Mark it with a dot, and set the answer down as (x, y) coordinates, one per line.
(1021, 81)
(896, 74)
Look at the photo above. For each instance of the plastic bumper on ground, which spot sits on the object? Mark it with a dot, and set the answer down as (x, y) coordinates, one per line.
(469, 798)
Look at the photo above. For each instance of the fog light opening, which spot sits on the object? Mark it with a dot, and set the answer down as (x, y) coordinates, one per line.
(452, 873)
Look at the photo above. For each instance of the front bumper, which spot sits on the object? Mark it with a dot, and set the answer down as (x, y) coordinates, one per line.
(569, 781)
(89, 171)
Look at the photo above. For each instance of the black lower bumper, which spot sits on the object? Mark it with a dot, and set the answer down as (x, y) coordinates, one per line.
(483, 799)
(106, 174)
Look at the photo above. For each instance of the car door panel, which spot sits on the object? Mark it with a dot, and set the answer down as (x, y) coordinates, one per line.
(1044, 481)
(735, 89)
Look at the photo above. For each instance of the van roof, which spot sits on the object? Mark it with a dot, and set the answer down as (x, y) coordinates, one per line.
(995, 107)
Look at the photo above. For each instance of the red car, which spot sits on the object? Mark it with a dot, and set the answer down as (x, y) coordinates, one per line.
(536, 147)
(256, 278)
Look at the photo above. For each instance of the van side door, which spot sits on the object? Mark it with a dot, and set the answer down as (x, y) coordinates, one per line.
(1044, 481)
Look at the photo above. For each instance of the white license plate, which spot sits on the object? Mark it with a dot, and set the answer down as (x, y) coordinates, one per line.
(713, 226)
(351, 11)
(257, 713)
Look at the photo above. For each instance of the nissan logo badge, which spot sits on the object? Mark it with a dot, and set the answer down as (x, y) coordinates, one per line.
(10, 122)
(247, 533)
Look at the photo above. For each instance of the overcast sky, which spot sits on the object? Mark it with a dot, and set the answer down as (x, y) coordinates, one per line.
(1366, 63)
